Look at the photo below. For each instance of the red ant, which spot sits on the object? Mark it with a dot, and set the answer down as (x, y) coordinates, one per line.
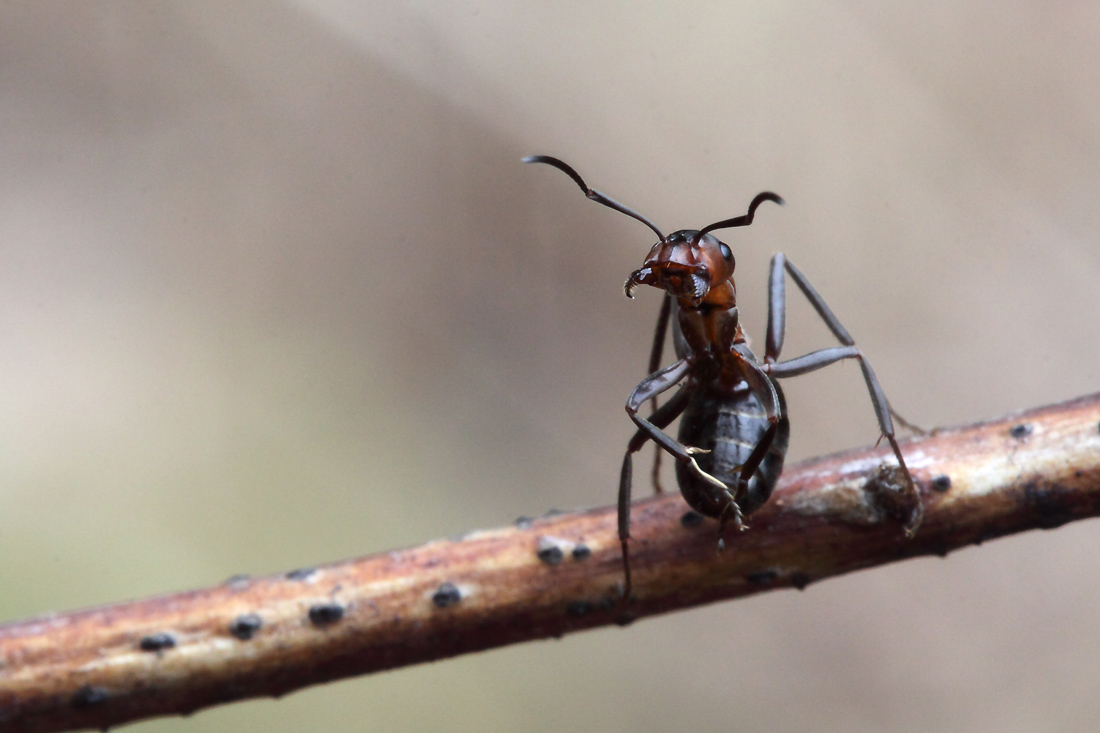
(733, 428)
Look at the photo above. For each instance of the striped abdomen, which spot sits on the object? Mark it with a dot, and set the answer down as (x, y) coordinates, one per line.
(730, 426)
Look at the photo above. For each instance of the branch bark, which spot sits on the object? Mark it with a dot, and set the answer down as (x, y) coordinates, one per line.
(540, 578)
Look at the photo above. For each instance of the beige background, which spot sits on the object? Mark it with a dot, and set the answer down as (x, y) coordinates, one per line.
(276, 290)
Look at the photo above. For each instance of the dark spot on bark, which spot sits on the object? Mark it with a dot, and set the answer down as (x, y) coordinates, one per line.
(581, 551)
(157, 642)
(625, 620)
(607, 603)
(523, 522)
(941, 483)
(762, 577)
(325, 614)
(691, 519)
(800, 580)
(447, 595)
(300, 574)
(1021, 430)
(553, 512)
(579, 608)
(245, 626)
(90, 695)
(549, 552)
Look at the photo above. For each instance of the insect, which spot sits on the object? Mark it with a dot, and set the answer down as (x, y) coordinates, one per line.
(734, 430)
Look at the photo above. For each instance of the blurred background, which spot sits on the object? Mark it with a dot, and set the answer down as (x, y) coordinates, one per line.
(275, 290)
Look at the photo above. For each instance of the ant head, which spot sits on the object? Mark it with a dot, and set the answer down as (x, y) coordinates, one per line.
(688, 265)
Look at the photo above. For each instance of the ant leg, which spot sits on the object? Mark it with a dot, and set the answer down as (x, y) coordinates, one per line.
(747, 469)
(755, 459)
(824, 357)
(766, 392)
(911, 427)
(660, 419)
(654, 365)
(779, 263)
(777, 309)
(649, 388)
(659, 335)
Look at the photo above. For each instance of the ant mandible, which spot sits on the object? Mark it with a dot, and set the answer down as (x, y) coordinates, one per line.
(733, 428)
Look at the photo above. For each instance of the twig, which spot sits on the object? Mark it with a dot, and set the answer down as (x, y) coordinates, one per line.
(541, 578)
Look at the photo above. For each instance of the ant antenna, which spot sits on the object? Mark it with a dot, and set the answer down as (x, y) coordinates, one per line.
(741, 221)
(599, 198)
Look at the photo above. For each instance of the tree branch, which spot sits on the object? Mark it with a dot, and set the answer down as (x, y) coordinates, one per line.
(540, 578)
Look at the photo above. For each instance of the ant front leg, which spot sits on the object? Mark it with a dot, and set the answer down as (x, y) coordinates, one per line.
(649, 388)
(823, 357)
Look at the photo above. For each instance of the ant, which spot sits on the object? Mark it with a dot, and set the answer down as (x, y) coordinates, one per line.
(734, 430)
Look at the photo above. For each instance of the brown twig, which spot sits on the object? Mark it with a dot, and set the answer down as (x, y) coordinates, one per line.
(540, 578)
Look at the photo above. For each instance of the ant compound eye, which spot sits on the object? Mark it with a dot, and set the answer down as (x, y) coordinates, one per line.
(727, 253)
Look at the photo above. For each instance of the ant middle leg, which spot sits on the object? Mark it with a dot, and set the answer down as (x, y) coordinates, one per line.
(823, 357)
